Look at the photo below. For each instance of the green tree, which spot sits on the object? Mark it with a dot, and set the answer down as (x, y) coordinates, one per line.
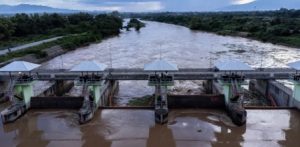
(107, 25)
(7, 29)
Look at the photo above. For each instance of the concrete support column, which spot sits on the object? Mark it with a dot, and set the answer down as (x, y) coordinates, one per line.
(113, 89)
(267, 87)
(208, 85)
(26, 92)
(163, 93)
(158, 94)
(227, 92)
(263, 86)
(157, 91)
(296, 94)
(59, 88)
(96, 94)
(3, 86)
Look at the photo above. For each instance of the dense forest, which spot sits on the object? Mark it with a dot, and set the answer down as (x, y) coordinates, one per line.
(22, 27)
(281, 27)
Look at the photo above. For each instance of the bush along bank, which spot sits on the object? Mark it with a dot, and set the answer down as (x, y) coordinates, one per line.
(135, 23)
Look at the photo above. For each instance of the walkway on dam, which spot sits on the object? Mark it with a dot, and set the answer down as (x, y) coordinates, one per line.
(181, 74)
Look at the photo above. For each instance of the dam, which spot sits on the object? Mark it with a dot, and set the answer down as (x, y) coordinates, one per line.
(98, 87)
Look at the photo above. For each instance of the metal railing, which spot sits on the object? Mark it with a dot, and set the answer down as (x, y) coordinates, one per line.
(295, 77)
(166, 80)
(140, 74)
(88, 81)
(24, 80)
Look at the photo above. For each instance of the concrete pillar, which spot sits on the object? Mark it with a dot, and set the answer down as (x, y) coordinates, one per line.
(157, 91)
(96, 94)
(296, 94)
(4, 85)
(26, 92)
(59, 87)
(208, 85)
(113, 89)
(18, 90)
(164, 92)
(227, 91)
(267, 90)
(263, 86)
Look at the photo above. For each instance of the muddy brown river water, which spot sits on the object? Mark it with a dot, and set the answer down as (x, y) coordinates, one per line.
(136, 128)
(177, 44)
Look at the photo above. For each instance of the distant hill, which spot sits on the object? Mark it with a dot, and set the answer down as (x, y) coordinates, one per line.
(26, 8)
(264, 5)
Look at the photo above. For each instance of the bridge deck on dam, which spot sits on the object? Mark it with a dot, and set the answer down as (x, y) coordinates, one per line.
(140, 74)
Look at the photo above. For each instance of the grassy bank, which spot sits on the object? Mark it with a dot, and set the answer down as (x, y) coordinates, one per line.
(278, 27)
(17, 41)
(86, 27)
(68, 43)
(36, 50)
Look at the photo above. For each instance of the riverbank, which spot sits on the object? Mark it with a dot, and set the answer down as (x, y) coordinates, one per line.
(25, 46)
(51, 52)
(291, 41)
(46, 51)
(277, 27)
(78, 30)
(21, 41)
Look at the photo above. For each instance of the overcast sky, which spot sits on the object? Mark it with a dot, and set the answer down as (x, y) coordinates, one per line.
(132, 5)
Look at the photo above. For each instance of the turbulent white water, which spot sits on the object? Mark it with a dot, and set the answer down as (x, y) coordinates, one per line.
(186, 48)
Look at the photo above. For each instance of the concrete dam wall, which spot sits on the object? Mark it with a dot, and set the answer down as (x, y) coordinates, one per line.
(56, 102)
(196, 101)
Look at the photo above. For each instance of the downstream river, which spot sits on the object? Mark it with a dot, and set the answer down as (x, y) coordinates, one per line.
(136, 128)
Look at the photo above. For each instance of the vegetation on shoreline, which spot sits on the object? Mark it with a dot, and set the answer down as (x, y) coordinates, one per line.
(135, 23)
(17, 41)
(36, 50)
(79, 30)
(279, 27)
(74, 41)
(35, 26)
